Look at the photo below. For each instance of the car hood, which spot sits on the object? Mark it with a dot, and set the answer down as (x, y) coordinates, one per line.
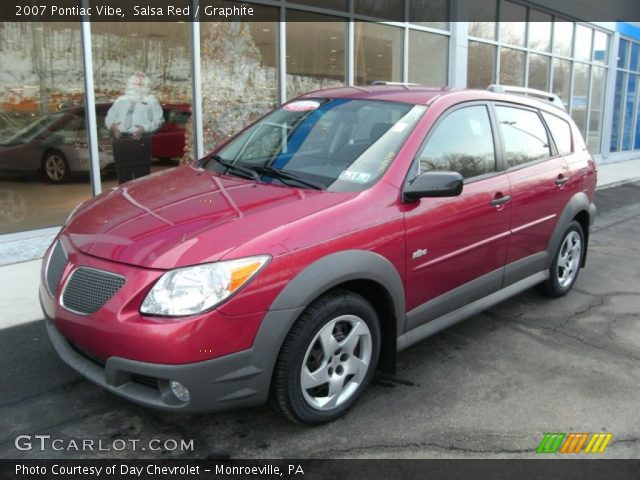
(186, 216)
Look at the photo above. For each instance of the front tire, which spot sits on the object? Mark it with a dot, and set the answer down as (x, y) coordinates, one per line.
(565, 267)
(327, 359)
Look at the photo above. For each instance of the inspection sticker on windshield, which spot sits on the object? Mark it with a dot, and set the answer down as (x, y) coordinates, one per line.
(301, 106)
(355, 177)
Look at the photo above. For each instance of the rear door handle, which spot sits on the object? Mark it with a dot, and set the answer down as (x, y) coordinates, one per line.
(561, 180)
(496, 202)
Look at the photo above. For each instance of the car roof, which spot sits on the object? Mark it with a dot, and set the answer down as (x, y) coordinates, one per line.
(416, 94)
(420, 95)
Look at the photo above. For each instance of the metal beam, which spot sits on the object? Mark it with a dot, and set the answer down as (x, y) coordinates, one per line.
(90, 102)
(196, 85)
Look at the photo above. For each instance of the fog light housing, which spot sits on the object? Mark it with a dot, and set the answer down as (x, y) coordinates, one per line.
(180, 391)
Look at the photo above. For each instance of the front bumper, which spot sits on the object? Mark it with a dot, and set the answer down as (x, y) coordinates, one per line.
(136, 357)
(237, 380)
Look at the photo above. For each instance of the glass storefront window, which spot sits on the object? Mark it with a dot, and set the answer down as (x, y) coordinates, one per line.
(239, 74)
(623, 54)
(630, 104)
(378, 53)
(430, 13)
(389, 10)
(44, 157)
(315, 52)
(511, 67)
(562, 79)
(149, 84)
(538, 50)
(485, 15)
(513, 23)
(634, 57)
(621, 81)
(598, 82)
(424, 45)
(584, 36)
(539, 68)
(562, 38)
(600, 48)
(481, 65)
(580, 97)
(539, 31)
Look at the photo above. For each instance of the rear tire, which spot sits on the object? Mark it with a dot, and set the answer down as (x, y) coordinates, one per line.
(567, 260)
(327, 359)
(55, 166)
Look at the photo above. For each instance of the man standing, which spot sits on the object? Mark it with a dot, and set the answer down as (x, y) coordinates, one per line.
(132, 119)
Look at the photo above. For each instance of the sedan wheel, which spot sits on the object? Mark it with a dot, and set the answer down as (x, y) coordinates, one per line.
(55, 167)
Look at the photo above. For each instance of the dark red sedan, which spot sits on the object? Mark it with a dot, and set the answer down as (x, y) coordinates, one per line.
(168, 141)
(303, 253)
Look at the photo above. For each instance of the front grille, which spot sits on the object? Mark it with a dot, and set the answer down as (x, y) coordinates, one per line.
(89, 289)
(57, 262)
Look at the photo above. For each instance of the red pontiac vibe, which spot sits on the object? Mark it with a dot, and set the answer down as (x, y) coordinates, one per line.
(306, 251)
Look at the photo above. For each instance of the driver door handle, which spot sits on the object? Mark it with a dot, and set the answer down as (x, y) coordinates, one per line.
(501, 200)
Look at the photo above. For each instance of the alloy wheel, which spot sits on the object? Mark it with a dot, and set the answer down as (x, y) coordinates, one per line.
(55, 167)
(336, 362)
(569, 259)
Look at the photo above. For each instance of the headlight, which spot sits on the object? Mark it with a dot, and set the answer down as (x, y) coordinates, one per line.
(192, 290)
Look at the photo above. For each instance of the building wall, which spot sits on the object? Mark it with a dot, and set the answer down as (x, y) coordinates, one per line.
(248, 68)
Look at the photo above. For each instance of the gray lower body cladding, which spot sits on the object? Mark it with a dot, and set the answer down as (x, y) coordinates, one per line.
(237, 380)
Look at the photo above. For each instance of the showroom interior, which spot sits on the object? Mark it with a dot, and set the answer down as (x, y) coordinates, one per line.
(213, 78)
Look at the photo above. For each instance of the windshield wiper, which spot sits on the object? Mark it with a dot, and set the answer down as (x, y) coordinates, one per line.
(282, 175)
(239, 169)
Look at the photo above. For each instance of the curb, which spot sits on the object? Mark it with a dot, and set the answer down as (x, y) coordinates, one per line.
(617, 183)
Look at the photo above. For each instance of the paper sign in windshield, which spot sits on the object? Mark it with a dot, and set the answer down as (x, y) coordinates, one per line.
(301, 106)
(356, 177)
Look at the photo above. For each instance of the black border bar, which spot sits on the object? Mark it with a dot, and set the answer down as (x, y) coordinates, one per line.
(231, 10)
(569, 469)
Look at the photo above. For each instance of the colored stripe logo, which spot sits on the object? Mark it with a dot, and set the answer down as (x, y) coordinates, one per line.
(556, 442)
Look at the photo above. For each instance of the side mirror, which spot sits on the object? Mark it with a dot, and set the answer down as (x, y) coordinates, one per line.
(433, 184)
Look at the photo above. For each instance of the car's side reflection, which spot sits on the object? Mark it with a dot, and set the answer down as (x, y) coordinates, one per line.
(55, 146)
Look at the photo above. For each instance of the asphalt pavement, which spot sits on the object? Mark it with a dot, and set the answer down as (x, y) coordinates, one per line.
(489, 387)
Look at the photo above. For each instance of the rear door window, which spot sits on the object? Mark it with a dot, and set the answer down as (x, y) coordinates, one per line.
(525, 138)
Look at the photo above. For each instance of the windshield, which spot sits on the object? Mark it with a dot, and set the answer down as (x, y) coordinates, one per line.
(35, 128)
(338, 144)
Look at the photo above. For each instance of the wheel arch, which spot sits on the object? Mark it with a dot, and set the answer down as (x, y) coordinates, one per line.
(368, 274)
(580, 209)
(49, 150)
(584, 219)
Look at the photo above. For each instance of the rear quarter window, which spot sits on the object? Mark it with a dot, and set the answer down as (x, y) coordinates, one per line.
(560, 131)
